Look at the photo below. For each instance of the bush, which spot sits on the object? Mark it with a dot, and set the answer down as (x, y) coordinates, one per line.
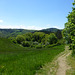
(70, 47)
(58, 43)
(49, 46)
(20, 39)
(43, 46)
(39, 46)
(14, 41)
(26, 44)
(52, 38)
(47, 43)
(35, 43)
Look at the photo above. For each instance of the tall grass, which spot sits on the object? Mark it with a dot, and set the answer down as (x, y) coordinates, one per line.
(16, 60)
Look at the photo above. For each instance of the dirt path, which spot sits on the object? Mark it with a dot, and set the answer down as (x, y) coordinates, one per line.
(63, 65)
(58, 66)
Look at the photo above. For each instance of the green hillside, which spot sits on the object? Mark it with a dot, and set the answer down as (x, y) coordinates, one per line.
(50, 30)
(15, 59)
(13, 32)
(7, 45)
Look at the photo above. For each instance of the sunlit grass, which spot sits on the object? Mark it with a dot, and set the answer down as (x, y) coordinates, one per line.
(16, 60)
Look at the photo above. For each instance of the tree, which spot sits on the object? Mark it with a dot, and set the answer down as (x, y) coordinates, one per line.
(52, 39)
(69, 30)
(59, 34)
(38, 36)
(20, 39)
(26, 43)
(28, 36)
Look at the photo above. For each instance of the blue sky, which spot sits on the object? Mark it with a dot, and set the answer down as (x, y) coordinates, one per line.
(34, 14)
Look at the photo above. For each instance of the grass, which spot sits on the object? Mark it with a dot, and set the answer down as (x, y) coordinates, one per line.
(71, 61)
(16, 60)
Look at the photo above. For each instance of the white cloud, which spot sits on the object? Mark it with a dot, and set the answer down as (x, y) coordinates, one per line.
(21, 27)
(31, 27)
(28, 27)
(1, 21)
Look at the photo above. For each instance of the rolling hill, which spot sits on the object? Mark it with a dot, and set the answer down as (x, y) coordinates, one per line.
(14, 32)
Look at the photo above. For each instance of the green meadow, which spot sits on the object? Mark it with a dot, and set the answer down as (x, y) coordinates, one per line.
(17, 60)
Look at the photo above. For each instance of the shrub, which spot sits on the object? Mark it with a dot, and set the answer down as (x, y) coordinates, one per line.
(20, 39)
(39, 46)
(43, 46)
(38, 36)
(47, 43)
(70, 47)
(52, 38)
(26, 44)
(49, 46)
(14, 41)
(35, 43)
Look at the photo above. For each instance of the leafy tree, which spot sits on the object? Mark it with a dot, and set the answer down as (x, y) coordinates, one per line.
(26, 44)
(20, 39)
(69, 31)
(13, 39)
(38, 36)
(59, 34)
(52, 38)
(28, 36)
(45, 39)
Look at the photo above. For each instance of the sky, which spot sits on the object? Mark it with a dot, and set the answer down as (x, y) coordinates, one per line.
(34, 14)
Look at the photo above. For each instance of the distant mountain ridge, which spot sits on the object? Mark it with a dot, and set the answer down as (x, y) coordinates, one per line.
(15, 32)
(50, 29)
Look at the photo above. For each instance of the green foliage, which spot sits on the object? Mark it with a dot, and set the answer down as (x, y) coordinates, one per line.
(38, 36)
(39, 46)
(52, 38)
(20, 39)
(33, 44)
(49, 46)
(13, 32)
(26, 44)
(28, 36)
(13, 39)
(61, 41)
(58, 34)
(69, 31)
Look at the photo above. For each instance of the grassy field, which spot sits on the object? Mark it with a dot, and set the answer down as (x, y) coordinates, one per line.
(71, 61)
(16, 60)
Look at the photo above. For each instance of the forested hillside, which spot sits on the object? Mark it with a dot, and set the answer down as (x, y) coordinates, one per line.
(15, 32)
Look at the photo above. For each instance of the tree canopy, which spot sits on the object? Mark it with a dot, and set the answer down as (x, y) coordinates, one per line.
(69, 30)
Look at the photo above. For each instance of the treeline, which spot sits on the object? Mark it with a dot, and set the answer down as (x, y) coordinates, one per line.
(36, 39)
(13, 32)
